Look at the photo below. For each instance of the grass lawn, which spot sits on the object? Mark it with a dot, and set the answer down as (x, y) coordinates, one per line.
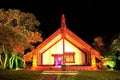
(36, 75)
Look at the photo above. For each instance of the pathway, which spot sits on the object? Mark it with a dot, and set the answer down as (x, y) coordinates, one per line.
(60, 72)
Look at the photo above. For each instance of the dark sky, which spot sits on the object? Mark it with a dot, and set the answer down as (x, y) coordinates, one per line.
(86, 18)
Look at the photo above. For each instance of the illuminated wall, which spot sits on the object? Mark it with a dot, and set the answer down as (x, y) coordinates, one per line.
(79, 56)
(57, 48)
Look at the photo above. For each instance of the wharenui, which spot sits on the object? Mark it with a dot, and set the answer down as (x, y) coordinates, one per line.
(64, 49)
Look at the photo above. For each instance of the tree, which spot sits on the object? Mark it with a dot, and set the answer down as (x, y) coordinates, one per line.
(115, 46)
(111, 53)
(10, 39)
(18, 30)
(114, 50)
(99, 45)
(108, 59)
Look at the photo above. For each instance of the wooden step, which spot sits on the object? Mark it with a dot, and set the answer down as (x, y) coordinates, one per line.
(61, 72)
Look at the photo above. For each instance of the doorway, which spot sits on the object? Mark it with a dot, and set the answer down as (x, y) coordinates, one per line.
(58, 61)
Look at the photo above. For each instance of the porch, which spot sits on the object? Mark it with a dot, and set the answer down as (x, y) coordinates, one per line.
(64, 68)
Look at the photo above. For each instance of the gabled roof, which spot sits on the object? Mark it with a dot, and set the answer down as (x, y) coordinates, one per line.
(64, 33)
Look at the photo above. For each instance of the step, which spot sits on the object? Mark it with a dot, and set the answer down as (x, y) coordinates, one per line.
(61, 72)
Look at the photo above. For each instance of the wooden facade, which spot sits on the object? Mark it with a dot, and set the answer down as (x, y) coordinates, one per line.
(64, 48)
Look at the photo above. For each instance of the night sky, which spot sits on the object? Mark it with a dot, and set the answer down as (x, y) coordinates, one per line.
(86, 18)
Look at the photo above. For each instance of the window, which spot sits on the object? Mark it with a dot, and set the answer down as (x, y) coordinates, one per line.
(69, 57)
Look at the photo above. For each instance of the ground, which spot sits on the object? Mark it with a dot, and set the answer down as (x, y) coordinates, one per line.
(38, 75)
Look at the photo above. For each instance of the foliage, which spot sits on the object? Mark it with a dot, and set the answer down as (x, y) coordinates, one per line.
(111, 53)
(10, 61)
(10, 39)
(18, 30)
(4, 58)
(114, 50)
(115, 46)
(18, 19)
(17, 61)
(109, 62)
(99, 45)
